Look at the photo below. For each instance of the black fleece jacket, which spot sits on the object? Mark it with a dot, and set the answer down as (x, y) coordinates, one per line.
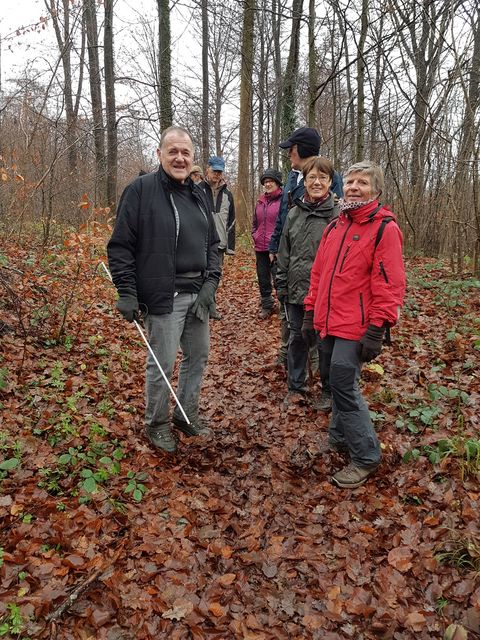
(142, 249)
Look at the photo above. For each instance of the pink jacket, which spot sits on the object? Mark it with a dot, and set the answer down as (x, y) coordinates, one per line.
(264, 218)
(352, 283)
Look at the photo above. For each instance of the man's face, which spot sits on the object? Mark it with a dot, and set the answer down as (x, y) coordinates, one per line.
(214, 177)
(196, 176)
(176, 155)
(295, 160)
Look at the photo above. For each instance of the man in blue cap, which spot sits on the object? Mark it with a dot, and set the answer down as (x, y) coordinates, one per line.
(221, 205)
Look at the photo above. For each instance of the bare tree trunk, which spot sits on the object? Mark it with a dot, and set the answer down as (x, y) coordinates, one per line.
(96, 97)
(277, 65)
(262, 73)
(244, 197)
(64, 37)
(112, 143)
(360, 135)
(312, 64)
(466, 179)
(289, 119)
(164, 55)
(206, 87)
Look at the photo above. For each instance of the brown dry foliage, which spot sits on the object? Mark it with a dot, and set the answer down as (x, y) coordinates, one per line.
(231, 540)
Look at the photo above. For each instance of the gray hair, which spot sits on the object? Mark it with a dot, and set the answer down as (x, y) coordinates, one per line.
(371, 169)
(175, 128)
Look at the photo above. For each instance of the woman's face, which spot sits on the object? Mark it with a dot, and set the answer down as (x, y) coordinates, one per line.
(269, 185)
(317, 184)
(358, 187)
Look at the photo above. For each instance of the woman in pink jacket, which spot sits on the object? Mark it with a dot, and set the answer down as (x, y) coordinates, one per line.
(357, 285)
(263, 225)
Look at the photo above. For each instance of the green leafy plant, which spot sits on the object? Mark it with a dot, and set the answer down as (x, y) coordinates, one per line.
(465, 450)
(57, 376)
(12, 623)
(3, 378)
(440, 392)
(135, 486)
(8, 465)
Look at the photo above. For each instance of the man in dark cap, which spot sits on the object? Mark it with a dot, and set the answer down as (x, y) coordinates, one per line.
(302, 145)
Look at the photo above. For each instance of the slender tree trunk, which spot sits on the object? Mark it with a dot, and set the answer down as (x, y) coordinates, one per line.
(261, 99)
(289, 118)
(312, 64)
(96, 97)
(110, 106)
(64, 42)
(277, 65)
(244, 197)
(164, 55)
(217, 110)
(206, 87)
(360, 135)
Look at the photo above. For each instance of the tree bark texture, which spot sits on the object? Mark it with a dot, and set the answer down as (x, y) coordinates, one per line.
(244, 199)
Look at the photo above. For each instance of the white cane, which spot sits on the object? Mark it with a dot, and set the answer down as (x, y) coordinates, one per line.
(144, 338)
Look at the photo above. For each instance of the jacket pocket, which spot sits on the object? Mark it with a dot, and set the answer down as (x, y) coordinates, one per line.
(362, 309)
(344, 258)
(383, 272)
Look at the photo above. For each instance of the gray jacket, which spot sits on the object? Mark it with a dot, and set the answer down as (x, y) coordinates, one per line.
(301, 236)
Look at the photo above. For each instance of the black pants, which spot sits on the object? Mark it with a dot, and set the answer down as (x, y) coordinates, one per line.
(265, 278)
(298, 353)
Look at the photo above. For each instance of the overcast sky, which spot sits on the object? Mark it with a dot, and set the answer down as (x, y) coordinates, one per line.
(32, 42)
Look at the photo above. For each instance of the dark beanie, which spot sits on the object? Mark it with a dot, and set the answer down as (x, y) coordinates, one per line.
(273, 174)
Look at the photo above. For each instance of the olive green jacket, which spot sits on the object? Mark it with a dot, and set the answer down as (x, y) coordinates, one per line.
(301, 236)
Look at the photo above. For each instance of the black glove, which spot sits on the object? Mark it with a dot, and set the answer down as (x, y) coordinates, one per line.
(282, 297)
(308, 332)
(212, 311)
(127, 304)
(370, 343)
(204, 305)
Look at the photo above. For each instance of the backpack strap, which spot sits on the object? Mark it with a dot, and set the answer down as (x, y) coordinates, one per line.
(381, 229)
(388, 338)
(330, 227)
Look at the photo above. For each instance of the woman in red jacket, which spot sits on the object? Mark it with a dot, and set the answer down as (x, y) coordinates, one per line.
(356, 291)
(263, 224)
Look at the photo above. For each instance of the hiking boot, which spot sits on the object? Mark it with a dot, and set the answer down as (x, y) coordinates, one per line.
(162, 438)
(352, 477)
(294, 397)
(324, 403)
(191, 429)
(263, 314)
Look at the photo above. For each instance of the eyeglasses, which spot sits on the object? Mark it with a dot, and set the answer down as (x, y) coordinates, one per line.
(316, 178)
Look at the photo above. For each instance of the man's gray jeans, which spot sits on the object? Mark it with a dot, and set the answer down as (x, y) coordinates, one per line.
(350, 424)
(166, 333)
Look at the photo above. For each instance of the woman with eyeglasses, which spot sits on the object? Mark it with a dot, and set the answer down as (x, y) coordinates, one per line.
(301, 236)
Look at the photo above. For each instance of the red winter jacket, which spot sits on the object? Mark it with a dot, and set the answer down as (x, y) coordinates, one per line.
(352, 284)
(264, 218)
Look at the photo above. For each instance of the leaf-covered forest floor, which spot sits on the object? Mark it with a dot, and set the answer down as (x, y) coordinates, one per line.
(242, 537)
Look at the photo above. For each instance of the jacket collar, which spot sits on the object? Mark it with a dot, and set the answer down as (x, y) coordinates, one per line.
(371, 211)
(310, 206)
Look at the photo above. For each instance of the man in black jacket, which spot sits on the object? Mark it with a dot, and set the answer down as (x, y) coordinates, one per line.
(163, 256)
